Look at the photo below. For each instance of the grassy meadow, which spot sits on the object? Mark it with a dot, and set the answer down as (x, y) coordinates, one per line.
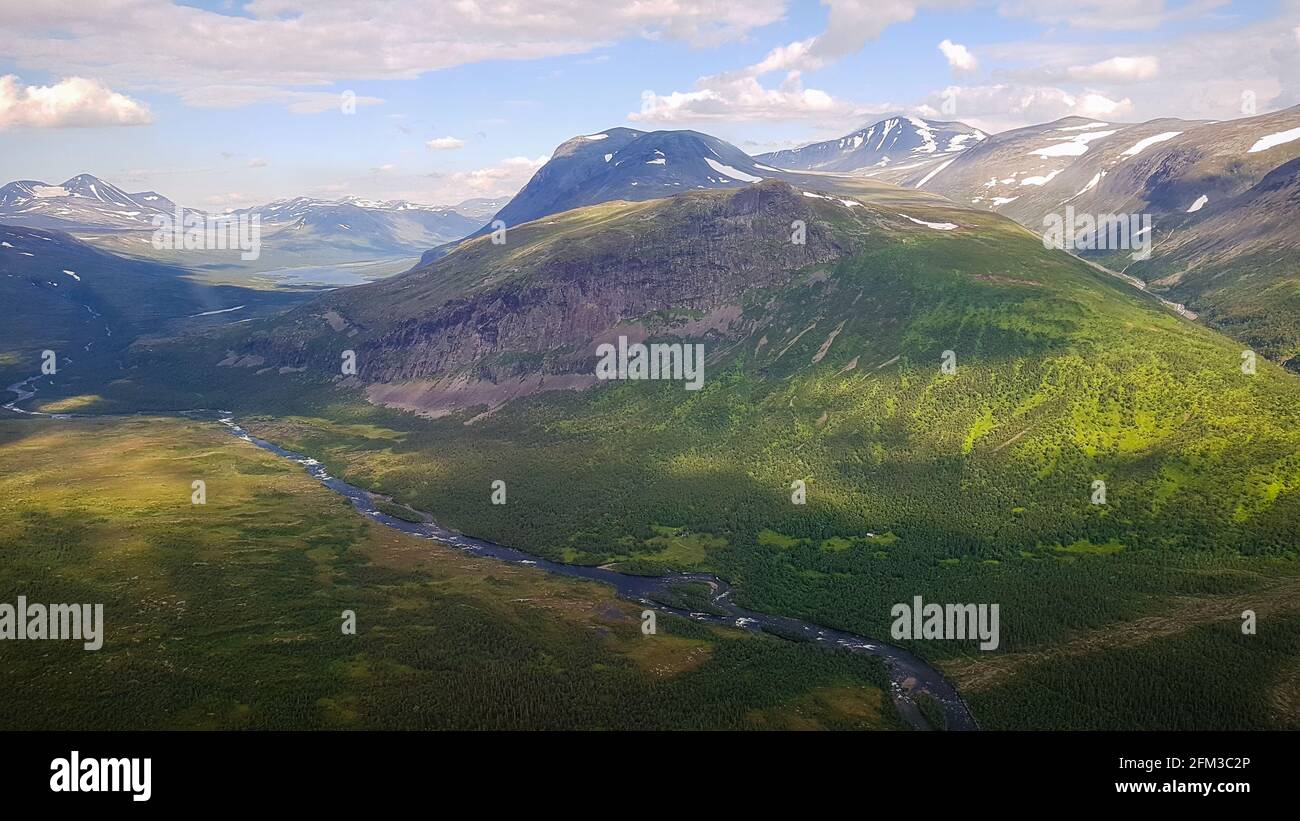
(228, 615)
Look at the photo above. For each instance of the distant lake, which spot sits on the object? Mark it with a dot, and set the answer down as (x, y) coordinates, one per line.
(339, 274)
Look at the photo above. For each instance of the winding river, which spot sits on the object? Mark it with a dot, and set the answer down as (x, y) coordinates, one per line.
(908, 674)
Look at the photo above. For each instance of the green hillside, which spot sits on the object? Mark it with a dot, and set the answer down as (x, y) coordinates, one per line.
(975, 486)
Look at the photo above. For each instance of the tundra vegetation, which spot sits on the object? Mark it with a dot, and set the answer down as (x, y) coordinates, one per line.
(970, 486)
(227, 615)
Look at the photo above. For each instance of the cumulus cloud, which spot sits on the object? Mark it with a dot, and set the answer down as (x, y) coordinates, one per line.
(741, 98)
(73, 102)
(445, 143)
(1001, 106)
(1117, 70)
(275, 48)
(741, 94)
(1199, 74)
(503, 179)
(959, 57)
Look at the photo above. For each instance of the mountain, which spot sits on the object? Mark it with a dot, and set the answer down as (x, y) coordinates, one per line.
(823, 363)
(626, 164)
(82, 202)
(1028, 172)
(884, 149)
(305, 241)
(1220, 233)
(480, 208)
(87, 203)
(630, 165)
(392, 226)
(1235, 262)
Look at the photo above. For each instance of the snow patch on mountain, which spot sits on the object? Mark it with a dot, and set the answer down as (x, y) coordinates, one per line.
(1076, 146)
(1043, 180)
(1092, 183)
(1142, 145)
(938, 226)
(1272, 140)
(729, 171)
(923, 130)
(932, 174)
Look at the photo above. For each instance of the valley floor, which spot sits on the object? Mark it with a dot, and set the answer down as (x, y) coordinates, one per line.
(228, 614)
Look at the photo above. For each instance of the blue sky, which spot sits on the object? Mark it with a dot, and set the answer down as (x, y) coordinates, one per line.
(230, 104)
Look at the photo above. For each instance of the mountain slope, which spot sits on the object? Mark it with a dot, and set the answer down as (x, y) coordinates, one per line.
(480, 208)
(81, 202)
(626, 164)
(88, 306)
(888, 149)
(1236, 260)
(1071, 373)
(1215, 221)
(623, 164)
(823, 365)
(383, 226)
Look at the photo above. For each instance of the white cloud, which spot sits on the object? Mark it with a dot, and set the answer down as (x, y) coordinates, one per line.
(959, 57)
(1117, 70)
(445, 143)
(741, 98)
(274, 48)
(1001, 106)
(741, 95)
(73, 102)
(1202, 74)
(503, 179)
(1107, 14)
(218, 95)
(257, 162)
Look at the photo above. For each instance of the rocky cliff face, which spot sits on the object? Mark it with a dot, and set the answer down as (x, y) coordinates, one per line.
(539, 304)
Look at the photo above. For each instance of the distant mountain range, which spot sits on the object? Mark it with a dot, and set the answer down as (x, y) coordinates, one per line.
(627, 164)
(84, 201)
(480, 208)
(313, 240)
(1220, 195)
(394, 225)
